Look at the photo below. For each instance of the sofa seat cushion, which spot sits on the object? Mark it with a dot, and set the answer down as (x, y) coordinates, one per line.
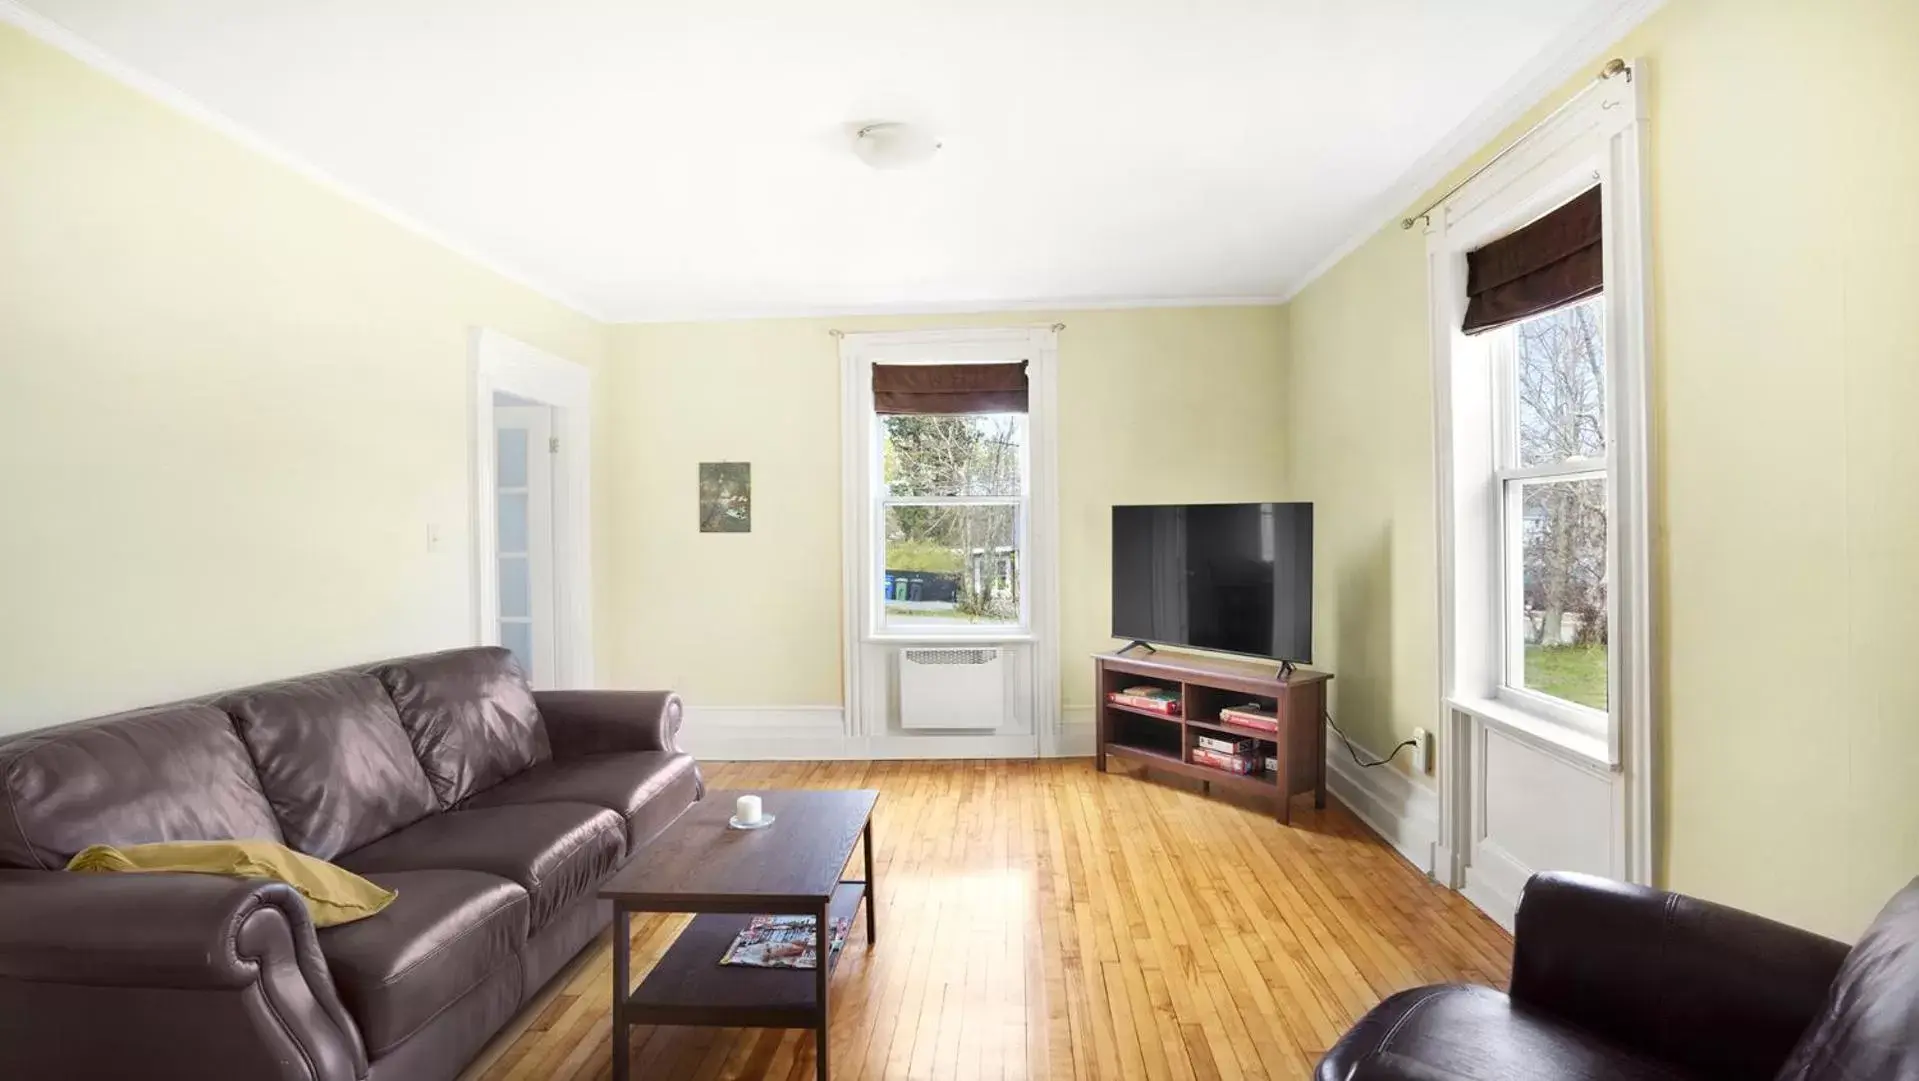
(333, 760)
(447, 931)
(171, 773)
(648, 789)
(1476, 1034)
(558, 852)
(470, 716)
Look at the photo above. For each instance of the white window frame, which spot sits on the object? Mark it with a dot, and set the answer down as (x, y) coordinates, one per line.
(1600, 138)
(859, 483)
(1022, 505)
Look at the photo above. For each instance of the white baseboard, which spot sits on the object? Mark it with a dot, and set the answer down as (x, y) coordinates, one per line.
(764, 733)
(818, 733)
(1396, 807)
(1494, 882)
(1075, 739)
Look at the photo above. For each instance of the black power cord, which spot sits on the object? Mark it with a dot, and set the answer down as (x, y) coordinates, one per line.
(1354, 751)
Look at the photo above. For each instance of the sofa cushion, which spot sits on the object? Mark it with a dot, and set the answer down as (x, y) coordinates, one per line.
(470, 717)
(558, 852)
(170, 773)
(1476, 1034)
(446, 931)
(1869, 1029)
(332, 758)
(648, 789)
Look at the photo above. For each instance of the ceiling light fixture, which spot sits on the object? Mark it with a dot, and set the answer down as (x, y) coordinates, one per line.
(889, 144)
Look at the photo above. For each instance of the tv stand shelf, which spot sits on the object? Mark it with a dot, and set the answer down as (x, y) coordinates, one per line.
(1162, 742)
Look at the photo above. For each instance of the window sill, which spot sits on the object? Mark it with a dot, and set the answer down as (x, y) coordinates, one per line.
(1553, 736)
(974, 638)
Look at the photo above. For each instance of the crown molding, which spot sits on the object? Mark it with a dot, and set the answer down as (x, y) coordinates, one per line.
(1562, 59)
(60, 37)
(958, 307)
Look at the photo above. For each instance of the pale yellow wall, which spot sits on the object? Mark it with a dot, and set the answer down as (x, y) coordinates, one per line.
(231, 404)
(1785, 155)
(1158, 405)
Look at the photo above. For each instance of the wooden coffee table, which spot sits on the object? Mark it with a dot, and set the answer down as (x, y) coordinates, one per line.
(698, 864)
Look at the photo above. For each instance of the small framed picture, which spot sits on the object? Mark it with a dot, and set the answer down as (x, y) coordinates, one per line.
(726, 497)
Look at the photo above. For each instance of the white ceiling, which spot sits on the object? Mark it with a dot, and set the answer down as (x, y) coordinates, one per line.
(687, 159)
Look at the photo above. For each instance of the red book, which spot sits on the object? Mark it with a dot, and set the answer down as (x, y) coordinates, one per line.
(1226, 763)
(1169, 706)
(1250, 717)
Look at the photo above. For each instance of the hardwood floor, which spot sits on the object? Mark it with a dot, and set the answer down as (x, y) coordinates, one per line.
(1041, 920)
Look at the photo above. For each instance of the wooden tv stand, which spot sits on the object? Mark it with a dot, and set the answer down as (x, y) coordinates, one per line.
(1206, 685)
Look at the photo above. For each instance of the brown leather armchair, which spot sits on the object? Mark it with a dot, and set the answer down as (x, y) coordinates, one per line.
(1625, 982)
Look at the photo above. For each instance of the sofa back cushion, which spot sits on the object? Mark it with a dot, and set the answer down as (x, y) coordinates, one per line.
(332, 759)
(1869, 1029)
(168, 773)
(470, 715)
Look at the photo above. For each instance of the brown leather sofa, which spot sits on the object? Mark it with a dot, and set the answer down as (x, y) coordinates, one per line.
(495, 811)
(1627, 983)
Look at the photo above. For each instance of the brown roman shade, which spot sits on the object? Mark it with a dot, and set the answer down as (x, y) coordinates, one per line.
(949, 388)
(1554, 261)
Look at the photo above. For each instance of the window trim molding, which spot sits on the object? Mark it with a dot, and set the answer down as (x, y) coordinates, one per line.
(1602, 138)
(1039, 347)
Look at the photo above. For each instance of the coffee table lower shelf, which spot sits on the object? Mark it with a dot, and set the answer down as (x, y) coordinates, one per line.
(689, 986)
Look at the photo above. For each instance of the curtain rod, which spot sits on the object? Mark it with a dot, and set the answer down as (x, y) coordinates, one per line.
(1614, 67)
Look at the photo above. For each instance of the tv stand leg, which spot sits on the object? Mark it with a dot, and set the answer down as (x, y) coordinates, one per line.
(1136, 642)
(1285, 670)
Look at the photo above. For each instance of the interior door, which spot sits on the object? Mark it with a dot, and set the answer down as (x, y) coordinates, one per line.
(523, 444)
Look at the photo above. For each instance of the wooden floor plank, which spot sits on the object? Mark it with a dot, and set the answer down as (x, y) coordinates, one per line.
(1042, 920)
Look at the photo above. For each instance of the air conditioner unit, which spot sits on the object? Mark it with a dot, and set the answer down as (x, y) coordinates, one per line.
(953, 688)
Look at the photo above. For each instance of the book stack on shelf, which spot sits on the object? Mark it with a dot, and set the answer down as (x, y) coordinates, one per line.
(1147, 697)
(1250, 715)
(1239, 756)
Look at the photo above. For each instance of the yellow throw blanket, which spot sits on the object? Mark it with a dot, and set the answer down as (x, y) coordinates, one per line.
(333, 894)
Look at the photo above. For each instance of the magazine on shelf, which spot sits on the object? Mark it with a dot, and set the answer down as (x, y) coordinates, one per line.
(782, 942)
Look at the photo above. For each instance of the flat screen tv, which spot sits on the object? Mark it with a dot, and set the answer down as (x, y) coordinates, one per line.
(1230, 577)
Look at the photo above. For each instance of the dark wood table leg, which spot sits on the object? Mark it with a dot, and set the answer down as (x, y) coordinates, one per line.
(823, 946)
(1319, 758)
(622, 987)
(872, 884)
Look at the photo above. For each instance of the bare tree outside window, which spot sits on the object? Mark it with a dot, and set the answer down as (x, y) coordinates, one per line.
(954, 492)
(1559, 494)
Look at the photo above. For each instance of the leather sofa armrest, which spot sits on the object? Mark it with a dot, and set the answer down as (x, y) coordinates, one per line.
(187, 945)
(1709, 988)
(1387, 1066)
(601, 722)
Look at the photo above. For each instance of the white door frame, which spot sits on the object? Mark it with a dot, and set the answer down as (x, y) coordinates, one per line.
(501, 363)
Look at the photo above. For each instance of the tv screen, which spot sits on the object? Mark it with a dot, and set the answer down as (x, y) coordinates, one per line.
(1231, 577)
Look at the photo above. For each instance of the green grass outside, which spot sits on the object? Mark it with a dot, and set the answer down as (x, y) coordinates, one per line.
(1575, 673)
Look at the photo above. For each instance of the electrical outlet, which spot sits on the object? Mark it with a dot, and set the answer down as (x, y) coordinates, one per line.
(1422, 750)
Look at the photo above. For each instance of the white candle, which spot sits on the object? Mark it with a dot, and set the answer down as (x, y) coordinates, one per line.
(747, 809)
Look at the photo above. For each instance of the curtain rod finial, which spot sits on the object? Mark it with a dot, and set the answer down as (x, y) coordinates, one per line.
(1613, 67)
